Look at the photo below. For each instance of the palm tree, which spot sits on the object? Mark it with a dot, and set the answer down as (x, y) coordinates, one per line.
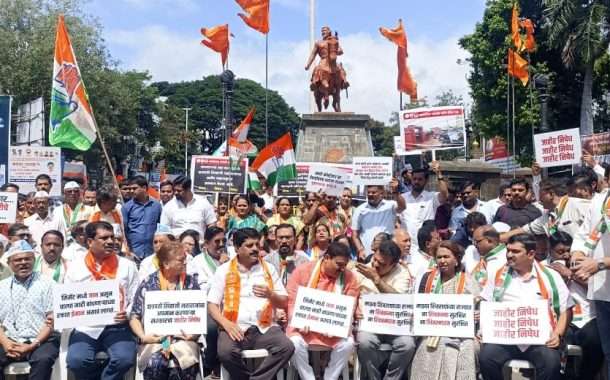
(581, 29)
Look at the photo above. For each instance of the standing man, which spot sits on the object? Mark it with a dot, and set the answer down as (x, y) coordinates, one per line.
(375, 216)
(470, 203)
(187, 211)
(43, 183)
(242, 298)
(102, 263)
(421, 204)
(89, 198)
(166, 191)
(43, 220)
(331, 275)
(490, 207)
(50, 263)
(140, 217)
(384, 274)
(26, 304)
(428, 240)
(519, 211)
(73, 209)
(286, 259)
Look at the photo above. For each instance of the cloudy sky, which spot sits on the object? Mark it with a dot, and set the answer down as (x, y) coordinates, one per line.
(162, 36)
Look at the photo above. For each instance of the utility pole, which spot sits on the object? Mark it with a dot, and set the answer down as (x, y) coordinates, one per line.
(186, 141)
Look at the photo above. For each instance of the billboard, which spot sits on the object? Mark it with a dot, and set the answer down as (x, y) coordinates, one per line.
(432, 128)
(26, 162)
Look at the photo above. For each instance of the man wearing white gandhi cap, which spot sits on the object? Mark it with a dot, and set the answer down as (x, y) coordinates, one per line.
(43, 220)
(26, 302)
(73, 210)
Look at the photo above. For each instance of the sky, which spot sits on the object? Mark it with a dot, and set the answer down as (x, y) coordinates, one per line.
(163, 37)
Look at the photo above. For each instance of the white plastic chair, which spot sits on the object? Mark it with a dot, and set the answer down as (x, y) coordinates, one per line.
(515, 365)
(250, 356)
(385, 347)
(12, 370)
(140, 376)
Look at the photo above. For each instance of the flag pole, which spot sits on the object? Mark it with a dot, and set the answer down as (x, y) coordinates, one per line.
(514, 148)
(267, 89)
(400, 99)
(507, 111)
(99, 135)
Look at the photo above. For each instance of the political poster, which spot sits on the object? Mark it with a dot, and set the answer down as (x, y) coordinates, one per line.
(390, 314)
(175, 312)
(450, 315)
(598, 145)
(27, 162)
(85, 304)
(323, 312)
(296, 186)
(371, 171)
(218, 175)
(399, 148)
(8, 207)
(432, 128)
(327, 179)
(558, 148)
(514, 323)
(5, 136)
(495, 148)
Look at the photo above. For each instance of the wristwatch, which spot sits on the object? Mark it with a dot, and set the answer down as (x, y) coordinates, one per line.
(601, 265)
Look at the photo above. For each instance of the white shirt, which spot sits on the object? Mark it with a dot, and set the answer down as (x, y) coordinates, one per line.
(472, 257)
(74, 251)
(196, 215)
(269, 200)
(569, 221)
(599, 288)
(420, 263)
(369, 221)
(250, 306)
(38, 226)
(584, 310)
(126, 275)
(490, 208)
(418, 209)
(205, 271)
(459, 213)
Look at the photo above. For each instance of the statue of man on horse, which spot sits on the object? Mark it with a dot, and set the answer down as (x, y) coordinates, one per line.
(328, 77)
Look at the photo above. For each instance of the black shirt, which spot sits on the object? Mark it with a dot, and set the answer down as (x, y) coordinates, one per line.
(517, 217)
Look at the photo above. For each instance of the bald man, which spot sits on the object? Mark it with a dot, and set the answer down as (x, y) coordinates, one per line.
(403, 240)
(488, 254)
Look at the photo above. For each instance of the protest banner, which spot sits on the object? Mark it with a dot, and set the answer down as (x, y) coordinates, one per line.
(175, 312)
(8, 207)
(85, 304)
(371, 171)
(5, 136)
(558, 148)
(296, 186)
(26, 162)
(598, 145)
(390, 314)
(218, 175)
(328, 179)
(515, 322)
(432, 128)
(450, 315)
(323, 312)
(495, 148)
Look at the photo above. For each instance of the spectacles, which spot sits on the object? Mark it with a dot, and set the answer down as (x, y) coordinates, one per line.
(24, 235)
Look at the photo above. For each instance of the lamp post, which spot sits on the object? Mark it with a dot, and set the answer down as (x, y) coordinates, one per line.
(541, 83)
(227, 78)
(186, 141)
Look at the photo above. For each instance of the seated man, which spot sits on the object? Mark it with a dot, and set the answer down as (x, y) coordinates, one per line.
(488, 256)
(385, 274)
(243, 295)
(328, 274)
(26, 302)
(522, 279)
(286, 258)
(50, 263)
(102, 263)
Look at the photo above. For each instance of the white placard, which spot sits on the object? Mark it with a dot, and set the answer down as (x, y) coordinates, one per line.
(432, 128)
(323, 312)
(26, 162)
(558, 148)
(174, 312)
(399, 148)
(328, 179)
(372, 171)
(390, 314)
(8, 207)
(450, 315)
(85, 304)
(513, 323)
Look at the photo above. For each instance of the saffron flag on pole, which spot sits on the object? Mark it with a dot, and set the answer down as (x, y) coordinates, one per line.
(530, 43)
(276, 162)
(241, 132)
(217, 39)
(257, 16)
(517, 67)
(515, 30)
(72, 124)
(405, 81)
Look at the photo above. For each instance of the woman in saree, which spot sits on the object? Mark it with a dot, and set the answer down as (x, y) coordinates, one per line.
(244, 217)
(156, 352)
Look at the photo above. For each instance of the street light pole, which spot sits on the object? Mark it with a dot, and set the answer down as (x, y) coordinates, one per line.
(186, 141)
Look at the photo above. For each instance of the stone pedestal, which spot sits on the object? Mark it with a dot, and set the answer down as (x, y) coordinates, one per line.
(333, 137)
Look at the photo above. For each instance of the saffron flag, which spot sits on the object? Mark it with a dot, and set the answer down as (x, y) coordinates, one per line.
(517, 67)
(72, 124)
(276, 162)
(405, 81)
(217, 39)
(530, 43)
(241, 132)
(514, 29)
(257, 16)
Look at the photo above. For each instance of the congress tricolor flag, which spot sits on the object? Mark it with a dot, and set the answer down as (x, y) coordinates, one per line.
(276, 162)
(71, 118)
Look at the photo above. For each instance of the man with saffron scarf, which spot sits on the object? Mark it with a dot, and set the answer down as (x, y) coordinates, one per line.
(522, 279)
(102, 263)
(328, 274)
(243, 295)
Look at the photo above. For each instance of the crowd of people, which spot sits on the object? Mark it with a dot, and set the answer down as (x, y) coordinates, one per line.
(540, 239)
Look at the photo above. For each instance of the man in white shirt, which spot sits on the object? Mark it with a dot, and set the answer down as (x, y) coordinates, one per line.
(187, 211)
(43, 221)
(490, 208)
(428, 240)
(375, 216)
(523, 280)
(286, 258)
(102, 263)
(421, 204)
(489, 254)
(470, 203)
(73, 210)
(242, 297)
(50, 263)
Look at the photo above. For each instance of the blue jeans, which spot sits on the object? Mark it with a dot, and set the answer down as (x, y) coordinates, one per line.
(602, 309)
(116, 340)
